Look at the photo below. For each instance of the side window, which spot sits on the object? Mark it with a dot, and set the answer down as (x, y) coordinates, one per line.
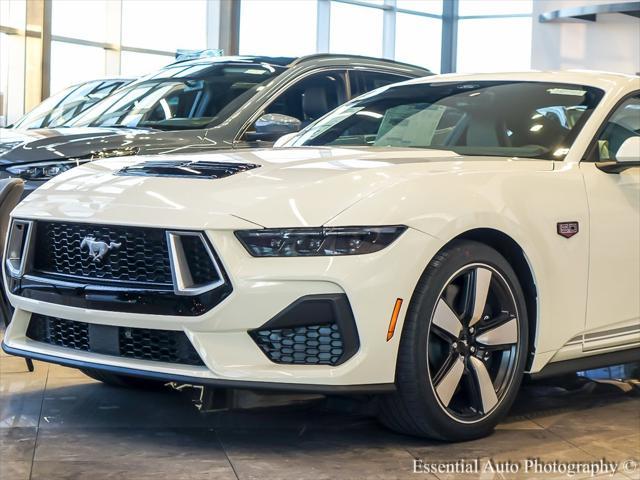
(363, 81)
(311, 97)
(624, 123)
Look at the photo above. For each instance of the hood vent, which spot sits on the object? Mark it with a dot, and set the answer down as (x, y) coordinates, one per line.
(186, 169)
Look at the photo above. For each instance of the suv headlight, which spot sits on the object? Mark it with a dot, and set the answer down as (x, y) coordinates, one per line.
(47, 170)
(316, 242)
(43, 170)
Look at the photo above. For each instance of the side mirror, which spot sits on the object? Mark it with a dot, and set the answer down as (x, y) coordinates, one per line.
(284, 140)
(271, 126)
(627, 156)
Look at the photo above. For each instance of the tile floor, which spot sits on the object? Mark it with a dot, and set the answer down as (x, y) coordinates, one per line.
(56, 423)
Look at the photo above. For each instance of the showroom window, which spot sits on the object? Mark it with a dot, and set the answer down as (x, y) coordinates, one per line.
(65, 58)
(361, 37)
(65, 15)
(494, 35)
(419, 40)
(168, 25)
(135, 64)
(266, 27)
(127, 38)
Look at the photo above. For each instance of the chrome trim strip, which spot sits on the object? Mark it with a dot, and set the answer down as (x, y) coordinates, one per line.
(25, 252)
(183, 283)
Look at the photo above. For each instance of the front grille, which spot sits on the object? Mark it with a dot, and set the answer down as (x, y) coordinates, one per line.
(304, 345)
(137, 255)
(139, 343)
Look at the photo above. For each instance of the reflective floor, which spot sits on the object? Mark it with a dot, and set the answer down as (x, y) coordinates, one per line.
(56, 423)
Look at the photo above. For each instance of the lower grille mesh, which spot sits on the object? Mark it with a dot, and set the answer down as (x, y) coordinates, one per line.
(140, 343)
(304, 345)
(59, 332)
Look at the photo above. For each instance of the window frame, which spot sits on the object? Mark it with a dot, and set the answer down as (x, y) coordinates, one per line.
(345, 71)
(589, 155)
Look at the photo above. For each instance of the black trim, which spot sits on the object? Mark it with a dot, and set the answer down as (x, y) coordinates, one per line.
(589, 154)
(318, 309)
(615, 166)
(373, 388)
(588, 363)
(185, 169)
(128, 299)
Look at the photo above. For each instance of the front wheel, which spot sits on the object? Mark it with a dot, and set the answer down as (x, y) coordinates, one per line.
(463, 347)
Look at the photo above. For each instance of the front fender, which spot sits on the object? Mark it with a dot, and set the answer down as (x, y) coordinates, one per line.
(522, 199)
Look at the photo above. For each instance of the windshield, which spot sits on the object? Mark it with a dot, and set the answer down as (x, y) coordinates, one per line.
(516, 119)
(65, 105)
(180, 97)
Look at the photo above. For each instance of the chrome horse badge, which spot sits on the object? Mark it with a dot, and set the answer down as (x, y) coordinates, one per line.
(97, 249)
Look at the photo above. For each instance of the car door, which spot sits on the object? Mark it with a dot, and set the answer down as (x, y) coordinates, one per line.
(613, 302)
(301, 102)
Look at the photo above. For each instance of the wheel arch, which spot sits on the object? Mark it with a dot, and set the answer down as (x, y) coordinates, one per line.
(517, 258)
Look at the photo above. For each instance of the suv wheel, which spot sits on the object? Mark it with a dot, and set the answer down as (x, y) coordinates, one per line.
(463, 347)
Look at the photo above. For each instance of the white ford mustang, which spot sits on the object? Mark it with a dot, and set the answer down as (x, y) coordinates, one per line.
(431, 242)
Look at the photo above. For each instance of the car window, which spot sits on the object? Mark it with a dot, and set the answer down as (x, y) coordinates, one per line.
(81, 100)
(364, 81)
(491, 118)
(183, 97)
(311, 98)
(37, 117)
(623, 124)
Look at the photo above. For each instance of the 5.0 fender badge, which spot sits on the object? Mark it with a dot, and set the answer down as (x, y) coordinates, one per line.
(567, 229)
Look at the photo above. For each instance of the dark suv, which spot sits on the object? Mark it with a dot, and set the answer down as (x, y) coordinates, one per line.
(200, 105)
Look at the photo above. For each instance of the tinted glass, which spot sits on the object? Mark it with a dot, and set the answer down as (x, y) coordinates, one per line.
(362, 82)
(181, 97)
(515, 119)
(623, 124)
(311, 98)
(36, 118)
(63, 106)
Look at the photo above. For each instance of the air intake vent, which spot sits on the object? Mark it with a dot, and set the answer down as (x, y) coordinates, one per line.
(186, 169)
(140, 343)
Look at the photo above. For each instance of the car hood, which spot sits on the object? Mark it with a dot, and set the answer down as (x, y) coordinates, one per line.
(37, 145)
(288, 187)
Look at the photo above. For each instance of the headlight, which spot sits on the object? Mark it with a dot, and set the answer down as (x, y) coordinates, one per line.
(316, 242)
(43, 170)
(49, 169)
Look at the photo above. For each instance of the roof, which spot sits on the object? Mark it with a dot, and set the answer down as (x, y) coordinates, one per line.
(291, 61)
(278, 61)
(592, 78)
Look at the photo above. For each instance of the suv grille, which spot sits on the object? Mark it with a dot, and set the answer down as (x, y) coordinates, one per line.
(142, 256)
(140, 343)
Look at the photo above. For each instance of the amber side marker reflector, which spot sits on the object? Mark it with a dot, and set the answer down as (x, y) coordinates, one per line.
(394, 319)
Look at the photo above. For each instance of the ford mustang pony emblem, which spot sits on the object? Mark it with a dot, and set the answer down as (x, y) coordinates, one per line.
(97, 249)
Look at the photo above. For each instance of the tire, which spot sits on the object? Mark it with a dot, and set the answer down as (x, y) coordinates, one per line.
(431, 392)
(123, 381)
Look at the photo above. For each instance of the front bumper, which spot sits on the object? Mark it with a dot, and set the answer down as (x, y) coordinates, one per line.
(263, 287)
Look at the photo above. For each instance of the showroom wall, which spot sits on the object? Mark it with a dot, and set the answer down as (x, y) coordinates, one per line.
(611, 43)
